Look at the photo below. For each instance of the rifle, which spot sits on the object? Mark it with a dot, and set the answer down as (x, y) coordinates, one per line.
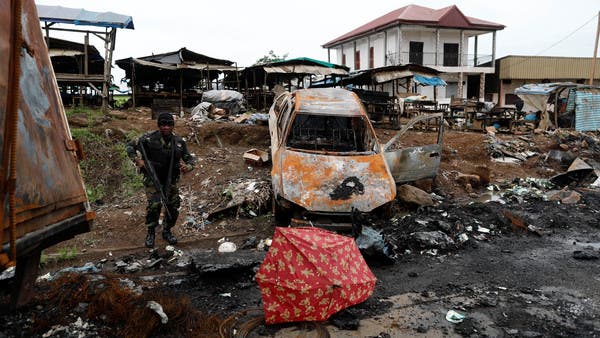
(150, 170)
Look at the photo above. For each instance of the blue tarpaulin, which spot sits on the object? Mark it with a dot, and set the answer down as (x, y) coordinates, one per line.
(429, 81)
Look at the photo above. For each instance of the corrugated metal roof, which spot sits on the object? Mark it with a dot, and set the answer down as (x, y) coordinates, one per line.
(448, 17)
(79, 16)
(546, 67)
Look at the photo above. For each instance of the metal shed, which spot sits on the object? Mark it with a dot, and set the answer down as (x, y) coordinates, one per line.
(180, 75)
(53, 15)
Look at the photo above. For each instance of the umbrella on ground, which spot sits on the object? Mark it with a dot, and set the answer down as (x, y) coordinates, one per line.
(310, 274)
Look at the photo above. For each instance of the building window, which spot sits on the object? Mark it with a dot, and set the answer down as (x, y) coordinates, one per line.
(451, 54)
(357, 60)
(343, 59)
(415, 52)
(371, 57)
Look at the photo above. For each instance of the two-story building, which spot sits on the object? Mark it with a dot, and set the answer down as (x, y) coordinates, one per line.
(437, 38)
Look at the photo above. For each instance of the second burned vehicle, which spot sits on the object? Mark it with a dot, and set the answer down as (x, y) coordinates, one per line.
(328, 162)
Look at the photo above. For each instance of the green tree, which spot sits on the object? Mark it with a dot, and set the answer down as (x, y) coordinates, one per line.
(271, 57)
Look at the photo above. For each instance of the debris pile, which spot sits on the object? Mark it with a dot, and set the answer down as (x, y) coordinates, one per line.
(510, 151)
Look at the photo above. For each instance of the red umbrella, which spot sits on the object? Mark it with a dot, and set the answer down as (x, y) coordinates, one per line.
(310, 274)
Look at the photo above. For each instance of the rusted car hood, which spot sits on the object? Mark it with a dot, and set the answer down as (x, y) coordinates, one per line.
(329, 183)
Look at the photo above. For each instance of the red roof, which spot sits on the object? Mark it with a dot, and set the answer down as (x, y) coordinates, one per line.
(447, 17)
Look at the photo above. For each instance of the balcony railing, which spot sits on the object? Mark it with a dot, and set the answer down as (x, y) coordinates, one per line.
(448, 60)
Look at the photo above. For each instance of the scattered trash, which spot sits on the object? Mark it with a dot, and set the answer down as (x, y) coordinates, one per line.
(579, 173)
(226, 294)
(588, 254)
(88, 267)
(8, 273)
(463, 238)
(242, 196)
(454, 317)
(227, 247)
(264, 244)
(256, 157)
(371, 243)
(154, 306)
(432, 239)
(483, 230)
(250, 242)
(229, 100)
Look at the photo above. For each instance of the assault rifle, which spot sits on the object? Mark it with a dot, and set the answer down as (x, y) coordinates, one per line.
(150, 170)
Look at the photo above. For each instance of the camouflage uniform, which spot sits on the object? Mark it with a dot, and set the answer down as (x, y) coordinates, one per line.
(164, 159)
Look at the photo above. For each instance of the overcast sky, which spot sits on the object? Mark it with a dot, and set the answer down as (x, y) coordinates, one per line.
(244, 31)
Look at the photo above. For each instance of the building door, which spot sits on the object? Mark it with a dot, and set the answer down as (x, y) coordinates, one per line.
(415, 54)
(451, 54)
(473, 86)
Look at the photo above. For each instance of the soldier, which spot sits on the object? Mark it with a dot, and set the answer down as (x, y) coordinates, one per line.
(168, 156)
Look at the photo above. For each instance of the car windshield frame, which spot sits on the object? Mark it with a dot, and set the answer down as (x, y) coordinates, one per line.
(344, 135)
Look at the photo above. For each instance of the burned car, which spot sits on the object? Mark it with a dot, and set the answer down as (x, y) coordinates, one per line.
(328, 163)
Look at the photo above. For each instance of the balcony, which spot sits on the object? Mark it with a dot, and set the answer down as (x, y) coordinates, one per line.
(429, 59)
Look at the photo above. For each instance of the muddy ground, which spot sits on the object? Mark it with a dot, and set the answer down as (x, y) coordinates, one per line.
(517, 266)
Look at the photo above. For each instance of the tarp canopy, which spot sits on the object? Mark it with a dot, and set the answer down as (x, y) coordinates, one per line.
(536, 94)
(389, 73)
(79, 16)
(542, 88)
(429, 81)
(301, 66)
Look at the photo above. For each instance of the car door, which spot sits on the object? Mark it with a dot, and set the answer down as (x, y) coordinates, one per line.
(409, 164)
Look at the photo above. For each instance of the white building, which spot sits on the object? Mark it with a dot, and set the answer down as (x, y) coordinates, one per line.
(436, 38)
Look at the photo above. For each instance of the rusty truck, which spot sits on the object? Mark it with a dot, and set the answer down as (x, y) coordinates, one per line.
(42, 190)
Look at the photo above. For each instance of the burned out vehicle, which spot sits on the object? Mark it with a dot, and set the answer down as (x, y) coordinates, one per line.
(42, 190)
(328, 163)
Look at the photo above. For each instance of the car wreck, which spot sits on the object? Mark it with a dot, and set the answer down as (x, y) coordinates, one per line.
(328, 164)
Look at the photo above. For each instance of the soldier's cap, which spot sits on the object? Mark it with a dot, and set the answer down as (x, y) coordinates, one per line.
(165, 119)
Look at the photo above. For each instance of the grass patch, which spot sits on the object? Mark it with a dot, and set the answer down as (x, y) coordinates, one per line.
(91, 113)
(106, 169)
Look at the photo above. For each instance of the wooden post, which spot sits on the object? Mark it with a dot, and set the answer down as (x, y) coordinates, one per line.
(85, 54)
(109, 45)
(208, 81)
(47, 27)
(133, 91)
(475, 50)
(180, 90)
(265, 92)
(481, 87)
(593, 73)
(237, 78)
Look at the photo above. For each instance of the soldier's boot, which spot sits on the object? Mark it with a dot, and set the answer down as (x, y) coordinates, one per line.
(168, 236)
(150, 238)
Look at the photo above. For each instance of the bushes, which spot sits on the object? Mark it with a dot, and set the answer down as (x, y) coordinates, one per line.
(106, 169)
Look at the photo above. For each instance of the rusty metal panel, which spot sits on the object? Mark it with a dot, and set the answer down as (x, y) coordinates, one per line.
(329, 183)
(414, 163)
(49, 186)
(329, 101)
(587, 109)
